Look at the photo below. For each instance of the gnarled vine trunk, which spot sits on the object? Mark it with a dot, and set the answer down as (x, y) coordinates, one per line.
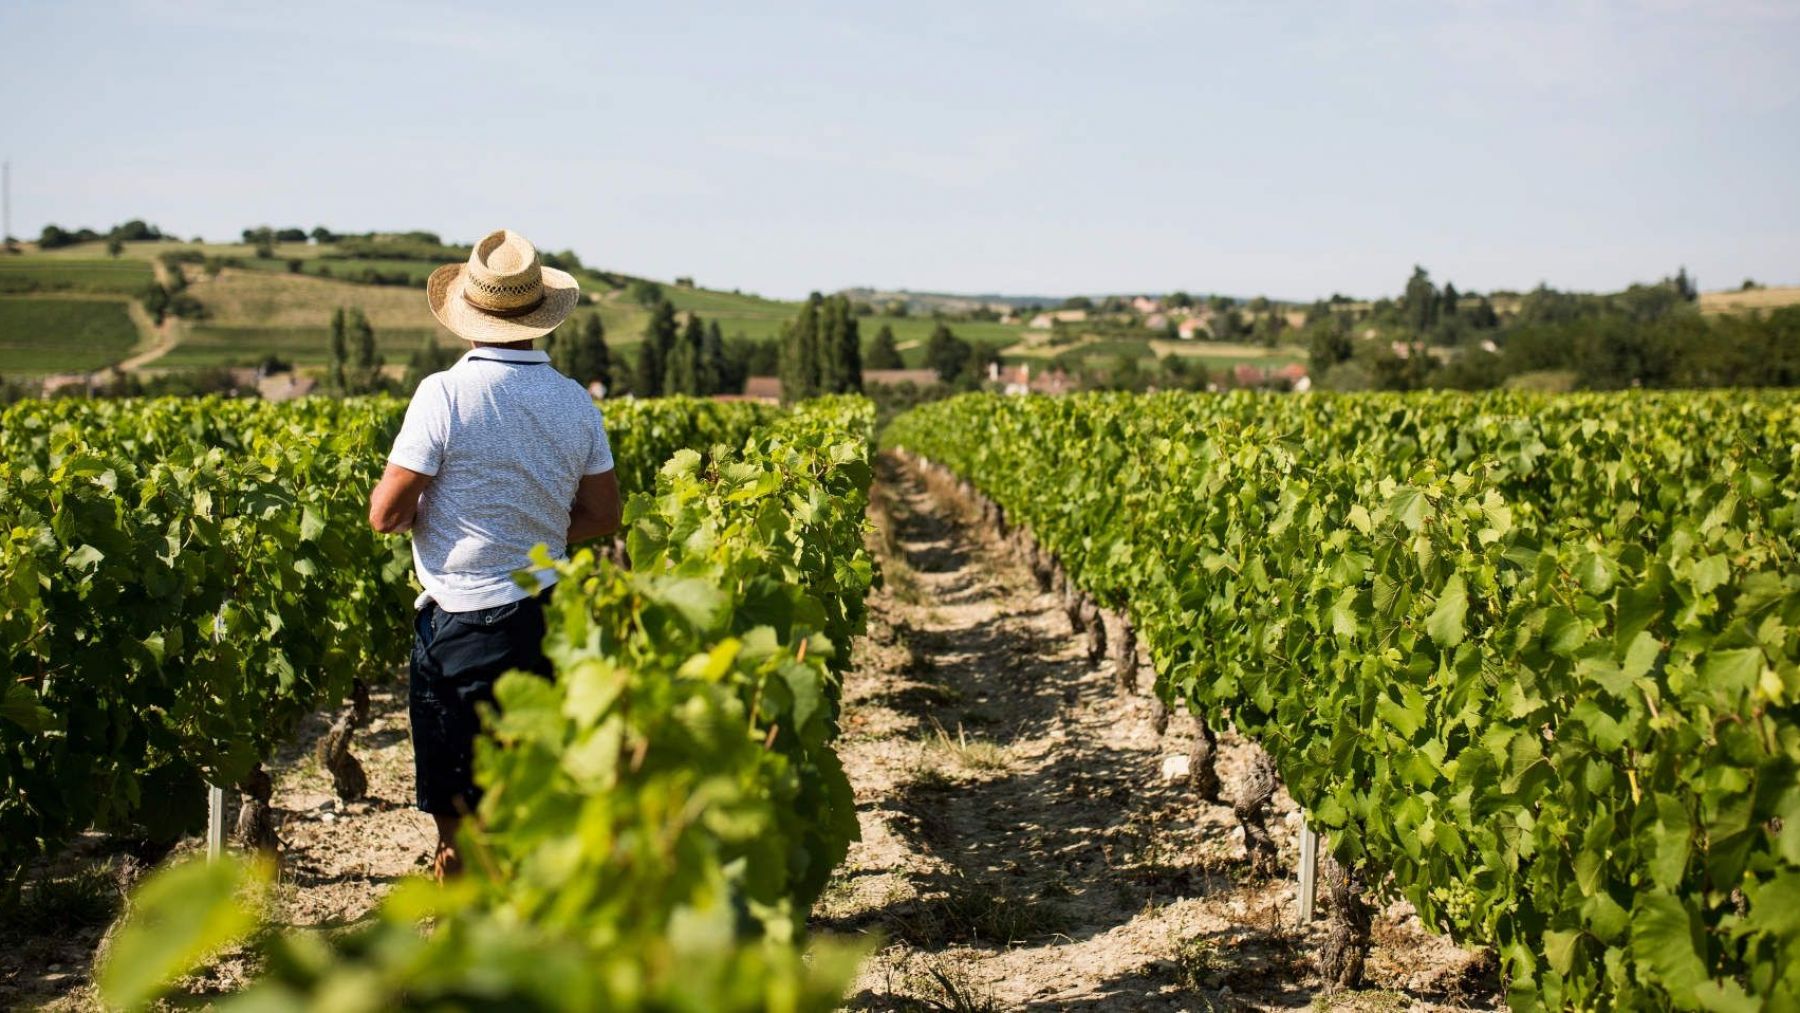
(1096, 630)
(1347, 937)
(1251, 806)
(256, 817)
(347, 777)
(1203, 758)
(1124, 655)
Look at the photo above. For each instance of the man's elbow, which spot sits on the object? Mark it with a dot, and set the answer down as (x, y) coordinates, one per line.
(387, 521)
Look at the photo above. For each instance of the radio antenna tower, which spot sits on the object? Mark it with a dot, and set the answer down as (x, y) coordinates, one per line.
(6, 204)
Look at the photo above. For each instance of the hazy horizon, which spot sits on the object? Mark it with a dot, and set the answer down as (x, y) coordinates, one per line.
(1071, 147)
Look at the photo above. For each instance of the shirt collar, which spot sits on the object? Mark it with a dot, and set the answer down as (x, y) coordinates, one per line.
(520, 355)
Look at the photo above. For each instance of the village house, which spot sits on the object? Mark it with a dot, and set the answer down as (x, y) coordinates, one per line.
(1146, 305)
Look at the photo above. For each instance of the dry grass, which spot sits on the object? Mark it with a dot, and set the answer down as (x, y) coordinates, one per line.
(979, 756)
(1756, 300)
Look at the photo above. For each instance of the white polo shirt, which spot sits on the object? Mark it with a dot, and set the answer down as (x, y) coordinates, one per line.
(506, 439)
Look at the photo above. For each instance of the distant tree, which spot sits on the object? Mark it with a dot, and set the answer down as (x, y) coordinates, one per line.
(366, 361)
(321, 234)
(52, 237)
(1686, 286)
(290, 236)
(1419, 303)
(156, 301)
(653, 353)
(1227, 325)
(1448, 302)
(265, 250)
(800, 340)
(115, 246)
(644, 292)
(684, 281)
(338, 352)
(592, 361)
(136, 231)
(681, 373)
(427, 359)
(946, 353)
(1260, 304)
(1077, 302)
(295, 265)
(715, 369)
(1748, 286)
(760, 358)
(895, 308)
(1179, 300)
(1220, 303)
(1483, 317)
(885, 352)
(839, 348)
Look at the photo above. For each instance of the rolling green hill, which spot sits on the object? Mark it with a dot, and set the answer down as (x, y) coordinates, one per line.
(282, 305)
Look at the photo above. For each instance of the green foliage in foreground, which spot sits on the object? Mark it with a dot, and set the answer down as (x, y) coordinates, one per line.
(660, 817)
(181, 580)
(1534, 657)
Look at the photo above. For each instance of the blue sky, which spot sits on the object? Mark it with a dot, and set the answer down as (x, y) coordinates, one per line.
(1052, 147)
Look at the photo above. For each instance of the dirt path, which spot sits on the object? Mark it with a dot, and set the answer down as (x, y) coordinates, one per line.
(1021, 847)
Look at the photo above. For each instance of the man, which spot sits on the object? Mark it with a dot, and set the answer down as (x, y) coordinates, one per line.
(497, 454)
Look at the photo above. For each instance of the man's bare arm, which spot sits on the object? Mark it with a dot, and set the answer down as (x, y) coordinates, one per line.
(394, 504)
(596, 511)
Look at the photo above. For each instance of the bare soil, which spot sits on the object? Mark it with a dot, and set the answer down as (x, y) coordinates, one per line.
(1022, 847)
(338, 860)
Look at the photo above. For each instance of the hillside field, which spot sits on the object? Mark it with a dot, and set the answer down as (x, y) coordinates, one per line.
(1749, 300)
(47, 335)
(108, 277)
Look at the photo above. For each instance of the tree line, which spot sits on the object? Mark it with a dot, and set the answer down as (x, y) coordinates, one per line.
(821, 350)
(1649, 335)
(135, 230)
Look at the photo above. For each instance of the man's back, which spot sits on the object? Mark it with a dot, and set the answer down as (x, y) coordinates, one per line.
(507, 439)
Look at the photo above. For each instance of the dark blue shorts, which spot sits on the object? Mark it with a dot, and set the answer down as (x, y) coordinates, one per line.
(456, 658)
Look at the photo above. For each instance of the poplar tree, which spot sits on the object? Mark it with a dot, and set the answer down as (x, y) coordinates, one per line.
(682, 374)
(840, 348)
(653, 353)
(596, 358)
(885, 352)
(339, 352)
(366, 373)
(427, 359)
(800, 352)
(715, 371)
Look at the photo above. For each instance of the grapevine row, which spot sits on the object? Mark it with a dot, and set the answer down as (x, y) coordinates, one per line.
(184, 580)
(658, 819)
(1529, 661)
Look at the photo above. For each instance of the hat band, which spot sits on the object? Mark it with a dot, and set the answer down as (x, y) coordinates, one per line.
(507, 314)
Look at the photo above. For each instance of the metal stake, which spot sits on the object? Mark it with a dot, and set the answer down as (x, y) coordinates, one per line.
(215, 822)
(1309, 870)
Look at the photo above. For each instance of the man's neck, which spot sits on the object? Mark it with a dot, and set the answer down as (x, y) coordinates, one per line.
(517, 346)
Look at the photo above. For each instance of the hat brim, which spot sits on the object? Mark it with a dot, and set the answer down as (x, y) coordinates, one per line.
(444, 290)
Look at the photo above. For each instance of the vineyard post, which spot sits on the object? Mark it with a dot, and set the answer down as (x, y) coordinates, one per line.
(1309, 870)
(215, 822)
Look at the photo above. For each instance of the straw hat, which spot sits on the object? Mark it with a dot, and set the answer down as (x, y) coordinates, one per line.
(504, 292)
